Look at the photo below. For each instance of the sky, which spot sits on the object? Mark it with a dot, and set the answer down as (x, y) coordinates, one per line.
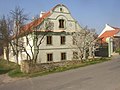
(92, 13)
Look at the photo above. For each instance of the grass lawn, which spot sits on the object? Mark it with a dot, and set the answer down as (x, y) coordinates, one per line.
(13, 69)
(5, 68)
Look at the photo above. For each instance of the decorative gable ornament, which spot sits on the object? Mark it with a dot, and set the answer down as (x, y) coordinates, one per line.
(49, 25)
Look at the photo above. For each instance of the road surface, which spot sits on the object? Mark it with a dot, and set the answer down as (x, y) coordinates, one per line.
(102, 76)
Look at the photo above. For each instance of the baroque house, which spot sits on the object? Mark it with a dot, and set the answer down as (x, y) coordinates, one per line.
(53, 28)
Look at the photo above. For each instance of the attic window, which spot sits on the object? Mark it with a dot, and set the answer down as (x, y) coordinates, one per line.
(61, 23)
(61, 9)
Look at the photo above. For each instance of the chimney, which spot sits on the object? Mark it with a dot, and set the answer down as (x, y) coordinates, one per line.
(41, 13)
(33, 18)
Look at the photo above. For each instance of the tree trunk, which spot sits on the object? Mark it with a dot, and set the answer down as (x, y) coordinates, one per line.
(84, 54)
(7, 53)
(17, 51)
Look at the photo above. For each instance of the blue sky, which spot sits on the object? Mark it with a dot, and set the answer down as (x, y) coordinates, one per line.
(93, 13)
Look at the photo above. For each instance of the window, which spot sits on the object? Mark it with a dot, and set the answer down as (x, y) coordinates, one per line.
(50, 57)
(49, 40)
(74, 41)
(61, 23)
(75, 55)
(62, 40)
(61, 9)
(63, 56)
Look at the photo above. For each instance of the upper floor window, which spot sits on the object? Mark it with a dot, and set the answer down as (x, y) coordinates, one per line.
(62, 40)
(74, 41)
(61, 23)
(61, 9)
(49, 40)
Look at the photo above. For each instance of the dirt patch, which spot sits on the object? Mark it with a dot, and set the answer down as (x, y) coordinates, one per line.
(4, 78)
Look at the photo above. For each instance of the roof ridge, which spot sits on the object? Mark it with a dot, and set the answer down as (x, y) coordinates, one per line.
(114, 27)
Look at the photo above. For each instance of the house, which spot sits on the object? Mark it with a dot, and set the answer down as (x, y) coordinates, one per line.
(110, 35)
(109, 31)
(57, 45)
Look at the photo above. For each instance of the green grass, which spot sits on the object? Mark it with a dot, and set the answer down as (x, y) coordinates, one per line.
(13, 69)
(7, 67)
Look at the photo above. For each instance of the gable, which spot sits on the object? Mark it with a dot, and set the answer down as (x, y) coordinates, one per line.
(53, 16)
(60, 8)
(61, 12)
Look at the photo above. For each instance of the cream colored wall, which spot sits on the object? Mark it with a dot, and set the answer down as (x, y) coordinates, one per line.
(56, 48)
(56, 55)
(23, 55)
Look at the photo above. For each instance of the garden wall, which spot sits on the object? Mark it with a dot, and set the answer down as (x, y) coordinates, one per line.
(26, 67)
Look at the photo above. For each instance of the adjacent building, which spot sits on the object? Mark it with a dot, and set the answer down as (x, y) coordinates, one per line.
(111, 36)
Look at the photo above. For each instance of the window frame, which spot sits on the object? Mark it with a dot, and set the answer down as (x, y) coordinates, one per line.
(61, 9)
(62, 40)
(49, 40)
(63, 56)
(61, 23)
(74, 40)
(49, 57)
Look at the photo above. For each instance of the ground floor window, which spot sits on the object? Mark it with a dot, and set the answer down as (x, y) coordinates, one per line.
(63, 56)
(50, 57)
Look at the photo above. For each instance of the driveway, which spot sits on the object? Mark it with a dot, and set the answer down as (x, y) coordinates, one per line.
(102, 76)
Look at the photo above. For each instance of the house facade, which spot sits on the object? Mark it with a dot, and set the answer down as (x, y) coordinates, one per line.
(57, 45)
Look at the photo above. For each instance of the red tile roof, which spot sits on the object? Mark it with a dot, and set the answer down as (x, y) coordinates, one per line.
(29, 26)
(109, 34)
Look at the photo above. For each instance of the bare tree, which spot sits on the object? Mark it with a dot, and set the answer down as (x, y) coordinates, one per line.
(5, 35)
(84, 40)
(18, 37)
(25, 34)
(18, 19)
(37, 37)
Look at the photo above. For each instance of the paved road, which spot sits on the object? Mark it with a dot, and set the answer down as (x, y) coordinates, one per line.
(103, 76)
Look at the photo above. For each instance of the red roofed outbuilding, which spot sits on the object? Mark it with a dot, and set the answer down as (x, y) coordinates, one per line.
(109, 31)
(110, 36)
